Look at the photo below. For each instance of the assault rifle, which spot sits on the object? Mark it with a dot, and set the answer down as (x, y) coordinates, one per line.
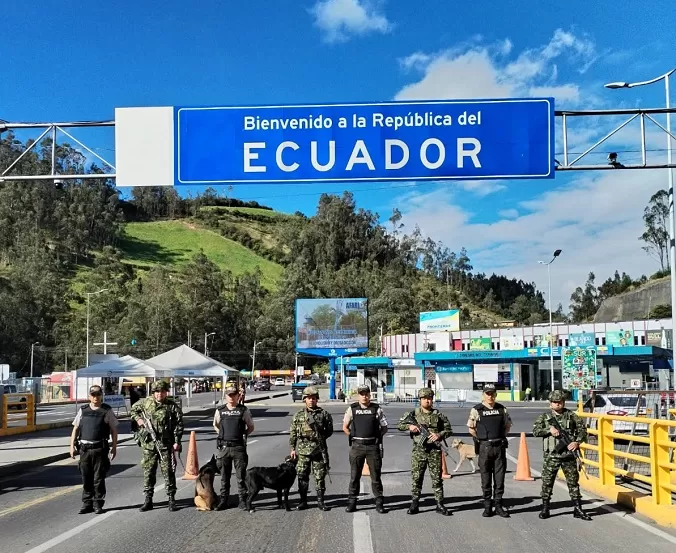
(312, 422)
(425, 434)
(564, 440)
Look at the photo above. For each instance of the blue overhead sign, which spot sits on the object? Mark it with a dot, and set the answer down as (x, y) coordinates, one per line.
(431, 140)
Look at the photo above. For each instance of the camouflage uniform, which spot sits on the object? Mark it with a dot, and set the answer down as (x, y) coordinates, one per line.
(565, 461)
(429, 454)
(167, 421)
(308, 445)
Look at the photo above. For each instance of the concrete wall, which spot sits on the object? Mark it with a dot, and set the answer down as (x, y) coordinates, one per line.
(636, 304)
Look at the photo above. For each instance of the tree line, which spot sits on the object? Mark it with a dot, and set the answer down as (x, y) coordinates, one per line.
(58, 243)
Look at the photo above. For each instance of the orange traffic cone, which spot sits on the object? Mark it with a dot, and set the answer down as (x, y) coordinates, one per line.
(444, 469)
(523, 462)
(191, 464)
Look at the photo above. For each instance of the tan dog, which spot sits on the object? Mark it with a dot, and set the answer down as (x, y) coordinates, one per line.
(205, 496)
(466, 453)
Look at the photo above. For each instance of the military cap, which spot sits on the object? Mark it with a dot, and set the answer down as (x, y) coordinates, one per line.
(489, 388)
(363, 389)
(425, 392)
(159, 386)
(310, 391)
(231, 389)
(557, 395)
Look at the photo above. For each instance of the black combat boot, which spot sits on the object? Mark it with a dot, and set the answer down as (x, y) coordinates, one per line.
(500, 509)
(488, 508)
(171, 504)
(351, 505)
(578, 512)
(98, 507)
(223, 502)
(441, 509)
(147, 504)
(413, 509)
(302, 491)
(242, 502)
(545, 509)
(320, 501)
(380, 506)
(86, 508)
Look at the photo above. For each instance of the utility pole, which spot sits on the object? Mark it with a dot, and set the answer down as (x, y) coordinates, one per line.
(32, 350)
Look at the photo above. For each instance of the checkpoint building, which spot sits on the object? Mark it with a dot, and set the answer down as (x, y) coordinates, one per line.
(456, 364)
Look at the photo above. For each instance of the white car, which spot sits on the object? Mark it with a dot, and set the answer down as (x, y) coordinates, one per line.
(279, 382)
(623, 405)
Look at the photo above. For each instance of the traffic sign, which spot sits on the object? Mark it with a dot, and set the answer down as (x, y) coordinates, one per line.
(356, 142)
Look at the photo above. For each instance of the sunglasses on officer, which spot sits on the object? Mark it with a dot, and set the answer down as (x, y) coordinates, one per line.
(95, 393)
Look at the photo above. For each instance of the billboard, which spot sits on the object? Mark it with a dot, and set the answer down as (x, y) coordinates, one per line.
(579, 368)
(480, 343)
(620, 338)
(505, 138)
(332, 326)
(440, 321)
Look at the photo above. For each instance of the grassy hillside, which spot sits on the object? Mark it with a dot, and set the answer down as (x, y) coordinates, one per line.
(175, 242)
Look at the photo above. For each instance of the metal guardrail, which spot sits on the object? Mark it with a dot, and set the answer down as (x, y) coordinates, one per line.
(26, 411)
(660, 448)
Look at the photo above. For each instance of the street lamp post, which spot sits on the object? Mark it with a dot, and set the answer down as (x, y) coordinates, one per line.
(672, 219)
(551, 333)
(88, 295)
(32, 349)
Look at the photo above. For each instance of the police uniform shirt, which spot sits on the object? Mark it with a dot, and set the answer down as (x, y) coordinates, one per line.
(380, 415)
(474, 417)
(110, 419)
(246, 417)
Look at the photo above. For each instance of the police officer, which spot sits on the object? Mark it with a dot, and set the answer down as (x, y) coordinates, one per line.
(166, 419)
(233, 423)
(94, 424)
(556, 457)
(365, 424)
(489, 423)
(428, 454)
(310, 428)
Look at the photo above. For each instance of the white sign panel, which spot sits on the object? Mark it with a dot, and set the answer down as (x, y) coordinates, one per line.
(486, 373)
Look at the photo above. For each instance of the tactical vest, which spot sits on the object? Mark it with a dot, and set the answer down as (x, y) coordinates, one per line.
(232, 427)
(550, 442)
(491, 423)
(93, 428)
(365, 423)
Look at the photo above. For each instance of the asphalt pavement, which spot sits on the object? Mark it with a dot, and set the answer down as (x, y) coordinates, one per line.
(38, 510)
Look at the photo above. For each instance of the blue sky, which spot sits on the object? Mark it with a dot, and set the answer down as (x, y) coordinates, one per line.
(80, 63)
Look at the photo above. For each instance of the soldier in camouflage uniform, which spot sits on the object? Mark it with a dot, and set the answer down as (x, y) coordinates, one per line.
(309, 431)
(167, 421)
(565, 461)
(428, 454)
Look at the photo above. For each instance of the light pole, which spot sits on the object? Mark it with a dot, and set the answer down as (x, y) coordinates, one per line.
(88, 295)
(672, 219)
(253, 361)
(551, 334)
(206, 336)
(32, 349)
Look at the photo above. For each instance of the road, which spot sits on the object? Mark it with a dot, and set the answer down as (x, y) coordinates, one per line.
(38, 510)
(47, 413)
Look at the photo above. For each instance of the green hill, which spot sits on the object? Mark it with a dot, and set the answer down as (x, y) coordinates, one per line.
(175, 242)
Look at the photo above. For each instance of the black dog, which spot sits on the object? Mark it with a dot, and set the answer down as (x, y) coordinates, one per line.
(279, 478)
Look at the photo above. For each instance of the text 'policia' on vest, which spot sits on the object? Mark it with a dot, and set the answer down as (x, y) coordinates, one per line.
(365, 423)
(232, 427)
(491, 423)
(93, 428)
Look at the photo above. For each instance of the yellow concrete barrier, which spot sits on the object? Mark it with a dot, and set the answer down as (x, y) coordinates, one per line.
(29, 414)
(657, 505)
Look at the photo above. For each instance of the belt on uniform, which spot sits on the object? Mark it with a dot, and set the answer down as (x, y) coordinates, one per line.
(231, 444)
(498, 441)
(366, 441)
(94, 445)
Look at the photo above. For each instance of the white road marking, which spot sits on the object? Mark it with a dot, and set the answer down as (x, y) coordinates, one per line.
(361, 533)
(249, 442)
(82, 527)
(624, 515)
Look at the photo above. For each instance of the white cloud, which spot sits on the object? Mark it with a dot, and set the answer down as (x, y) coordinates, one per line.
(594, 217)
(473, 70)
(339, 19)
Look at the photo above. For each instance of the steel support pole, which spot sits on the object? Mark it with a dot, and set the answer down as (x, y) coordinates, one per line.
(551, 334)
(672, 232)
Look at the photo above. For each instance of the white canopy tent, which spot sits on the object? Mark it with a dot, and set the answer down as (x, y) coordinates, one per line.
(185, 362)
